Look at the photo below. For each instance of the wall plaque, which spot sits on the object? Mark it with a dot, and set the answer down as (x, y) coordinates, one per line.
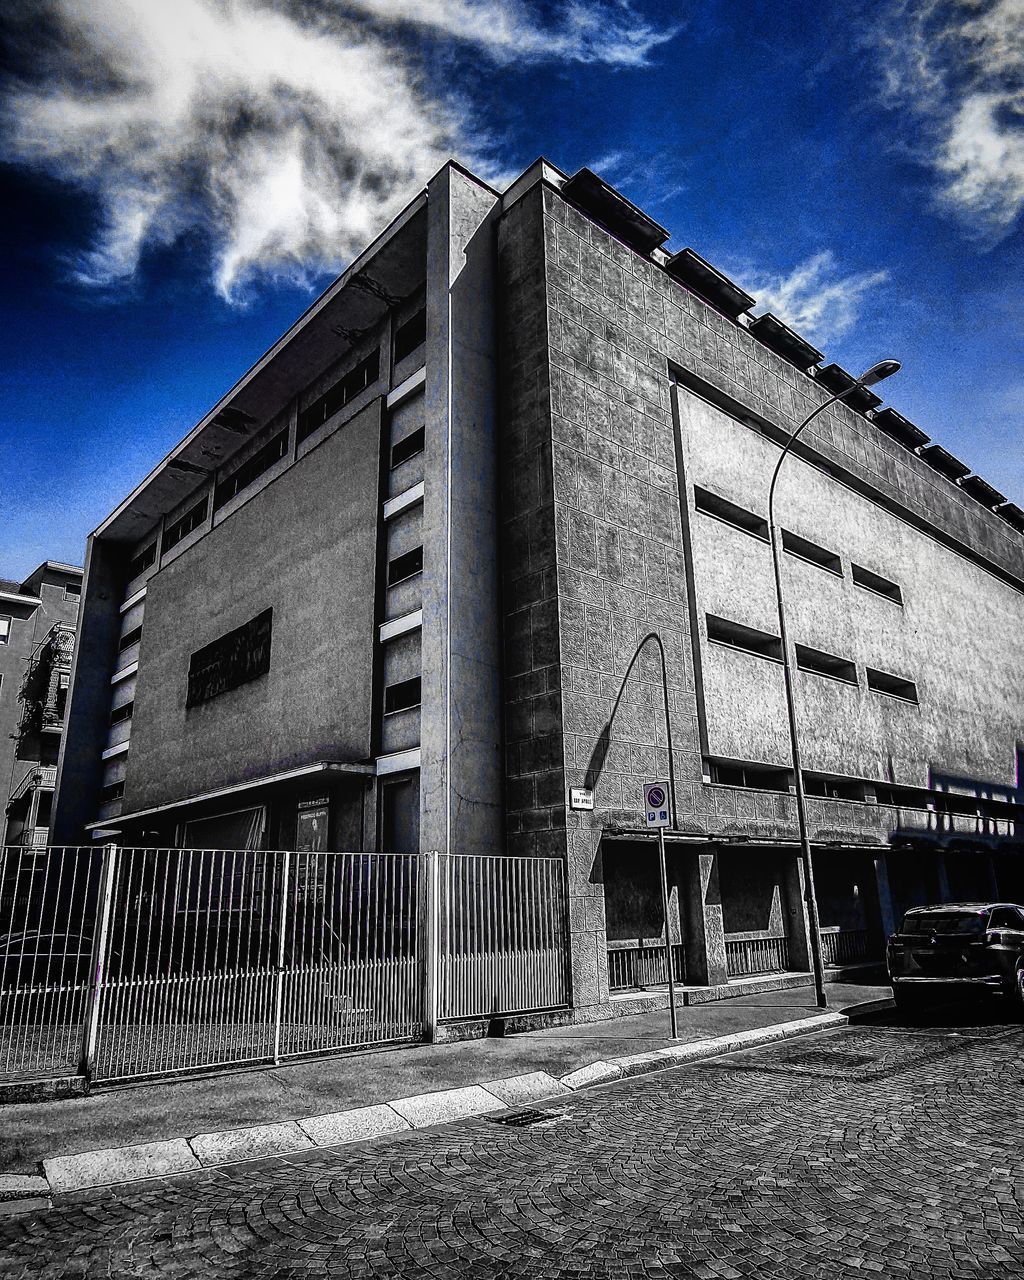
(235, 659)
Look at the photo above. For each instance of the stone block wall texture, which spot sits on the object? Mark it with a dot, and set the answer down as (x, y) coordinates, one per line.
(592, 545)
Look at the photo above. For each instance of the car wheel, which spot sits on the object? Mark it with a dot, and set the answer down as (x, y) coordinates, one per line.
(1018, 987)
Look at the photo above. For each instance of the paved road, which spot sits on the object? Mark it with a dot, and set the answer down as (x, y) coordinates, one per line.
(891, 1149)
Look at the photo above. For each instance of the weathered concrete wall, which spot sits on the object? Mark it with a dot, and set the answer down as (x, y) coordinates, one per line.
(305, 546)
(593, 495)
(461, 740)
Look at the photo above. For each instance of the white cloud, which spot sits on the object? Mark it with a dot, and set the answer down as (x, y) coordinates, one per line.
(287, 131)
(815, 298)
(956, 69)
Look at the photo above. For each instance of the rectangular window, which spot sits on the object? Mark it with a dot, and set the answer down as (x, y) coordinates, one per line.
(892, 686)
(829, 786)
(405, 566)
(326, 406)
(411, 335)
(129, 638)
(5, 630)
(722, 509)
(804, 550)
(250, 470)
(112, 792)
(825, 664)
(402, 696)
(734, 634)
(123, 712)
(873, 582)
(901, 797)
(184, 525)
(72, 590)
(407, 448)
(761, 777)
(142, 561)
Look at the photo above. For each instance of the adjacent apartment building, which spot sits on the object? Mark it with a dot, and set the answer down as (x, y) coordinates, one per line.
(37, 642)
(384, 595)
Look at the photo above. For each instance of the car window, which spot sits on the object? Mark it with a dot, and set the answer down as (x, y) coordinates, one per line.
(959, 922)
(1003, 918)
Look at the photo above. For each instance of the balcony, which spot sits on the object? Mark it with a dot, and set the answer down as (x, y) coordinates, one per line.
(44, 689)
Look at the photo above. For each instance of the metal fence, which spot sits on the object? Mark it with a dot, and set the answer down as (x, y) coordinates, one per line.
(47, 903)
(843, 946)
(638, 967)
(745, 957)
(126, 963)
(503, 945)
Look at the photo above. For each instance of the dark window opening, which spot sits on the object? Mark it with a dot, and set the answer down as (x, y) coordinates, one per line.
(408, 448)
(142, 561)
(123, 712)
(722, 509)
(900, 797)
(761, 777)
(72, 590)
(804, 550)
(892, 686)
(402, 696)
(129, 638)
(873, 582)
(250, 470)
(833, 787)
(825, 664)
(722, 631)
(114, 791)
(184, 525)
(326, 406)
(405, 566)
(411, 335)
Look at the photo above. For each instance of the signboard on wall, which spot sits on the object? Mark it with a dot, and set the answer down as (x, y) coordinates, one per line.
(581, 798)
(234, 659)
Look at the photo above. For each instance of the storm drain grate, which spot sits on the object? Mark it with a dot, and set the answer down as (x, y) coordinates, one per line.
(520, 1119)
(829, 1058)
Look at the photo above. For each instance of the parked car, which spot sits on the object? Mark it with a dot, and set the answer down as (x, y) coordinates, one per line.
(959, 945)
(37, 958)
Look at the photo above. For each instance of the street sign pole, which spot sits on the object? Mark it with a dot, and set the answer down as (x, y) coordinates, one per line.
(668, 934)
(656, 813)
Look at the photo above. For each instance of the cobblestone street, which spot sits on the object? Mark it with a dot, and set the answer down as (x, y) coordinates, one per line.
(888, 1149)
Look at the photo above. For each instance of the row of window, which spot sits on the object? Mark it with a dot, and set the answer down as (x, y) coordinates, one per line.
(345, 389)
(764, 777)
(250, 470)
(712, 504)
(764, 645)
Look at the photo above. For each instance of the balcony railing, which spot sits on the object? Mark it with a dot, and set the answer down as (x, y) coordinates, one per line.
(746, 956)
(843, 946)
(635, 968)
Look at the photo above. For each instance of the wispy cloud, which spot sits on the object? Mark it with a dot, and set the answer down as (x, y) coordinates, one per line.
(286, 131)
(816, 298)
(955, 69)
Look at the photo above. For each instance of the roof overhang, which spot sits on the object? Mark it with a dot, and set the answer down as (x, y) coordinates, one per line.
(320, 769)
(390, 269)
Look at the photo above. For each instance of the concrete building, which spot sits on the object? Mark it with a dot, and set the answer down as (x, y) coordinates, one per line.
(37, 640)
(384, 596)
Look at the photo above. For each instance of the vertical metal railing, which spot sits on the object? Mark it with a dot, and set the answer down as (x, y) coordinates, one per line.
(502, 935)
(47, 905)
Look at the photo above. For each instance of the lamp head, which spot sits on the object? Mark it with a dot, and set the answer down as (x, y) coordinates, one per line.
(883, 369)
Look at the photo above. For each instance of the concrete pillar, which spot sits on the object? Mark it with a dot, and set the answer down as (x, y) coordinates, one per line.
(704, 930)
(942, 875)
(886, 910)
(798, 928)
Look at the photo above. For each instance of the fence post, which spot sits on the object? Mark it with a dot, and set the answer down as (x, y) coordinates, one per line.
(432, 950)
(281, 929)
(90, 1029)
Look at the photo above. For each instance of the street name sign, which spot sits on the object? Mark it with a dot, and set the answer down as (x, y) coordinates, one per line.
(581, 798)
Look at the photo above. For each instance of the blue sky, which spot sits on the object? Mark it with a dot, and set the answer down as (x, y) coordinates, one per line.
(181, 180)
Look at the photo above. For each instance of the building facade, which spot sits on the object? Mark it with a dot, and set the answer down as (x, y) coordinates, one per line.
(386, 593)
(37, 642)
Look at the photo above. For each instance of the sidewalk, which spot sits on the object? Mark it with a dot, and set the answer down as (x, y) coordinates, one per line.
(176, 1109)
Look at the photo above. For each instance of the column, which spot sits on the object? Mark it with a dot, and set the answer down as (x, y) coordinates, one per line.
(700, 902)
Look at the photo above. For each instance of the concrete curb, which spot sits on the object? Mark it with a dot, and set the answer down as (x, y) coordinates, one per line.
(148, 1160)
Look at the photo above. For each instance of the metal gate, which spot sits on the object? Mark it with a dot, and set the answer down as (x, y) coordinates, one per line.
(503, 944)
(126, 963)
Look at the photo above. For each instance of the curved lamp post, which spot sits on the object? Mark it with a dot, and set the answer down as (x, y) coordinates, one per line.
(883, 369)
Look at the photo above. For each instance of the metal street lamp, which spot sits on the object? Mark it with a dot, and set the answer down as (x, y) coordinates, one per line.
(883, 369)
